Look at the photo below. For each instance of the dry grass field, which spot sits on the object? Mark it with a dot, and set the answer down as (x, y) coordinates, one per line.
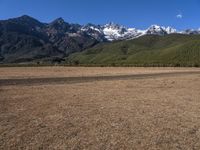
(152, 112)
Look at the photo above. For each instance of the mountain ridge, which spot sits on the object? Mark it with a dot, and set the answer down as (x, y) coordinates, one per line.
(110, 30)
(25, 39)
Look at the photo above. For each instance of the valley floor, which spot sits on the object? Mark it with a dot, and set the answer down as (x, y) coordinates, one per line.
(99, 108)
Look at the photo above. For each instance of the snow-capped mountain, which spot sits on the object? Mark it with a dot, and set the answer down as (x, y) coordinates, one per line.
(191, 31)
(117, 32)
(112, 31)
(170, 30)
(94, 31)
(160, 30)
(157, 30)
(109, 31)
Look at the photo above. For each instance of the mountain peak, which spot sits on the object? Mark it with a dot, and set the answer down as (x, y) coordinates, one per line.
(113, 25)
(59, 21)
(156, 30)
(155, 27)
(27, 20)
(26, 17)
(170, 30)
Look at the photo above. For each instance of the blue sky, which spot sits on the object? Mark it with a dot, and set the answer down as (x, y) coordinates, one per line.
(181, 14)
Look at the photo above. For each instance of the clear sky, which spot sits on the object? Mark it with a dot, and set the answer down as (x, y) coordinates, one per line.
(181, 14)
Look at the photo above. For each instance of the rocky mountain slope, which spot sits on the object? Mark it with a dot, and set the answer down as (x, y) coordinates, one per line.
(25, 39)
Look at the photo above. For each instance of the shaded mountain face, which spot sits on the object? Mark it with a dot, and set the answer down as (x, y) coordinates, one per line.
(26, 39)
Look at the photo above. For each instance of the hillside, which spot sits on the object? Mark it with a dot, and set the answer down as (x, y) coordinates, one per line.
(148, 50)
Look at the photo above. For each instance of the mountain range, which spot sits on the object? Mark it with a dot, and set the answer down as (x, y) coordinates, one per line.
(25, 39)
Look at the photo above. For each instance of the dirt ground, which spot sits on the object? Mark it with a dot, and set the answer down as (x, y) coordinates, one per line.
(157, 112)
(44, 72)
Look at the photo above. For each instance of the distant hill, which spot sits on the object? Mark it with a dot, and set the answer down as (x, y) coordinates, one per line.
(148, 50)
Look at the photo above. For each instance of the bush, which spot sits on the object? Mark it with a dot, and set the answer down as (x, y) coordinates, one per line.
(196, 65)
(177, 65)
(76, 62)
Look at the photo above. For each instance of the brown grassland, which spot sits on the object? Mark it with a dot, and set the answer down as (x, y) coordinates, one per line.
(151, 112)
